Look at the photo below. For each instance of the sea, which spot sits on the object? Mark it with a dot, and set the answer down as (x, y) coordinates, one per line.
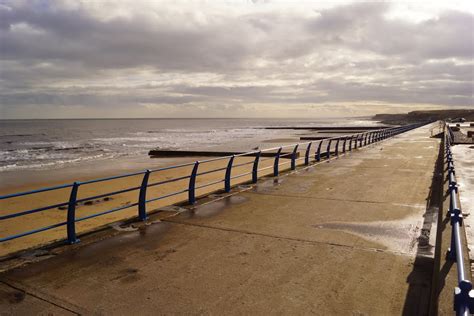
(46, 144)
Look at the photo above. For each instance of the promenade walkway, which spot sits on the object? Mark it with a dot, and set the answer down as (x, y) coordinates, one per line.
(351, 236)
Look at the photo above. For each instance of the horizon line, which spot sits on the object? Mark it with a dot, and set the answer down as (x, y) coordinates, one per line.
(177, 118)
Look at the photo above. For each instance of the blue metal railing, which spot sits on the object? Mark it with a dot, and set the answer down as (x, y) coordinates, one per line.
(350, 141)
(463, 293)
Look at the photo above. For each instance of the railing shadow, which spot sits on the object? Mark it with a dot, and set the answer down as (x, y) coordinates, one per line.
(418, 297)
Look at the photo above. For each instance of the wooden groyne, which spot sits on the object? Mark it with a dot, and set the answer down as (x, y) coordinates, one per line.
(330, 128)
(167, 153)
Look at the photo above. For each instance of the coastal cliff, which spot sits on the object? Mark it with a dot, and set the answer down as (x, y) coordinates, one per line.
(420, 116)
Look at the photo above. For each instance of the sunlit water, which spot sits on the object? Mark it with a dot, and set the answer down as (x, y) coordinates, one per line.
(51, 144)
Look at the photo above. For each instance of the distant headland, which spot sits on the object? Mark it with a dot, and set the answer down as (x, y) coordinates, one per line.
(420, 116)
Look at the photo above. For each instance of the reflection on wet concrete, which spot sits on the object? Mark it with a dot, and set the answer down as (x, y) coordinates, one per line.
(146, 236)
(402, 236)
(268, 185)
(214, 207)
(303, 185)
(37, 255)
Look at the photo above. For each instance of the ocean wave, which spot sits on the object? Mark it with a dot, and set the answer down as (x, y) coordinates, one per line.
(55, 163)
(117, 140)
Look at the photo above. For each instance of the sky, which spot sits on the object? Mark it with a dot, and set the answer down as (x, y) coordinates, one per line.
(111, 59)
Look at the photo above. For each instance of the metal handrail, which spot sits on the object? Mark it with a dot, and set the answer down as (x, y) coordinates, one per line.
(463, 293)
(359, 140)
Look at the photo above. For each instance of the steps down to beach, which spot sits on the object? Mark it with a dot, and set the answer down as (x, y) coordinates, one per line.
(355, 235)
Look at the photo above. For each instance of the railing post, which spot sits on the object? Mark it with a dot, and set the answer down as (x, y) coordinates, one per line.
(337, 147)
(255, 167)
(276, 162)
(356, 140)
(142, 197)
(344, 145)
(306, 154)
(71, 215)
(228, 172)
(350, 142)
(192, 184)
(361, 139)
(328, 149)
(365, 139)
(318, 152)
(293, 158)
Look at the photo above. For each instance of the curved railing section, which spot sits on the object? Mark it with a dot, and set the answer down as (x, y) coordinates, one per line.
(302, 153)
(463, 293)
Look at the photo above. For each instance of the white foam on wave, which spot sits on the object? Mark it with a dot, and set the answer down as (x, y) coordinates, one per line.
(54, 163)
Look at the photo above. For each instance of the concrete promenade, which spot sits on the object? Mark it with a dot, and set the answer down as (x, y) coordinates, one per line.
(351, 236)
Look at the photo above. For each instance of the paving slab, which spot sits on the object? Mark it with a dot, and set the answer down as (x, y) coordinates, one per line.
(353, 236)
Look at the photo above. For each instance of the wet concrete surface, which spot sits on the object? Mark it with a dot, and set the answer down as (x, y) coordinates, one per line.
(16, 302)
(352, 236)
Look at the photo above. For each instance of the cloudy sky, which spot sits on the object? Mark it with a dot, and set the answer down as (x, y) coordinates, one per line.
(233, 58)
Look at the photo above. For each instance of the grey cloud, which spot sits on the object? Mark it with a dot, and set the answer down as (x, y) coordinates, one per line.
(71, 97)
(348, 53)
(67, 35)
(73, 36)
